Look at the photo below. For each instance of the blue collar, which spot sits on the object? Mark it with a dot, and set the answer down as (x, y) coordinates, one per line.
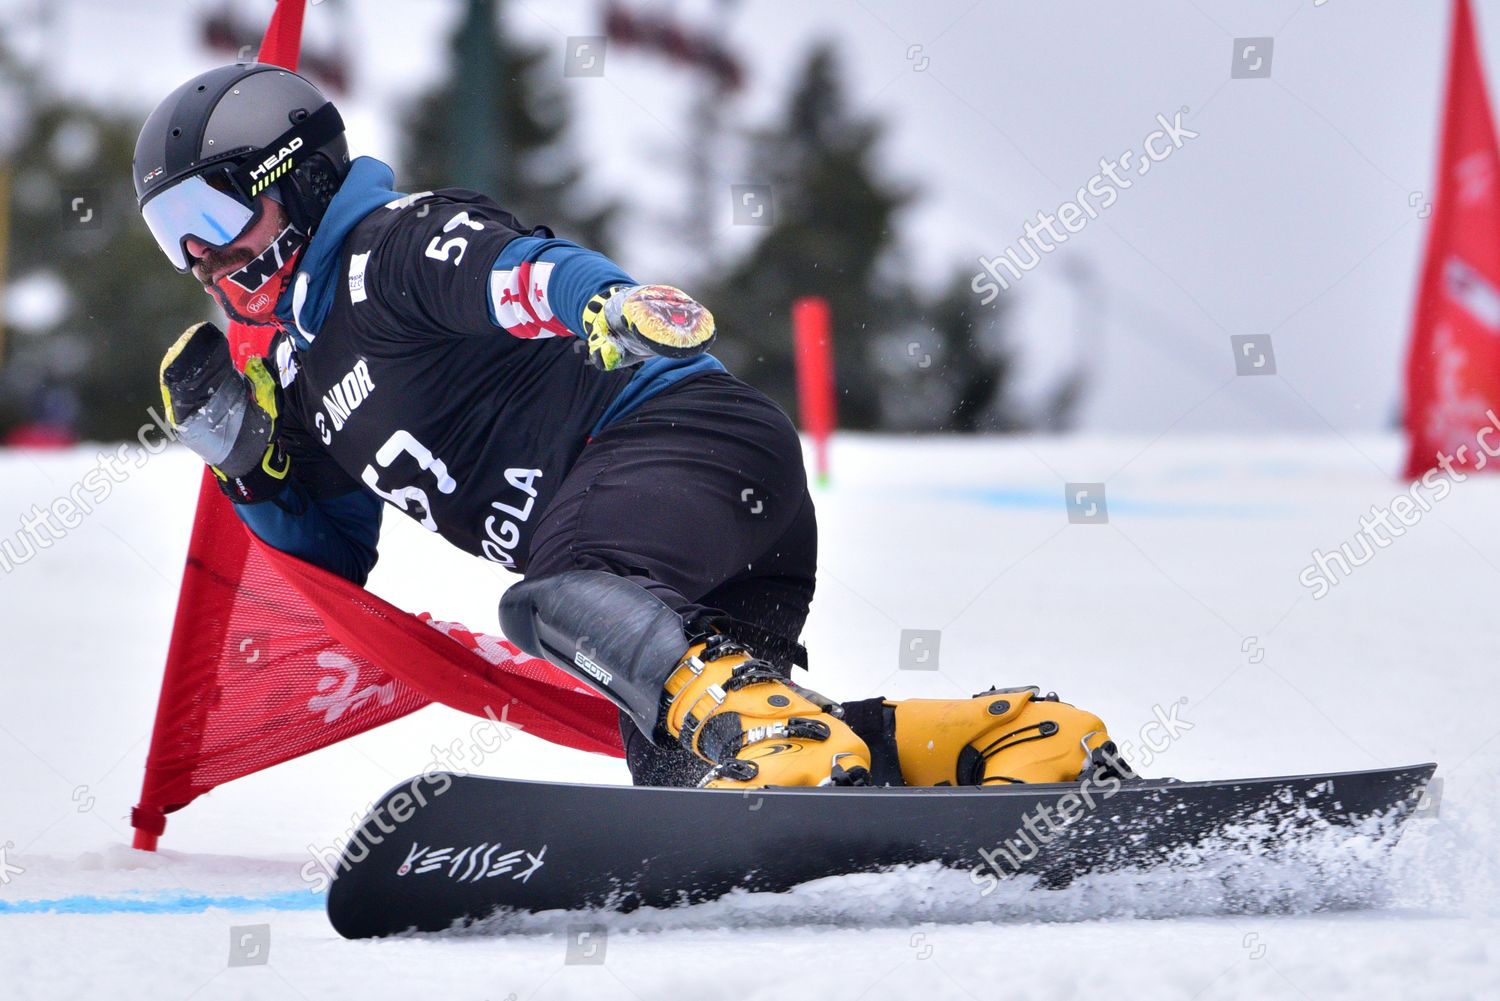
(304, 306)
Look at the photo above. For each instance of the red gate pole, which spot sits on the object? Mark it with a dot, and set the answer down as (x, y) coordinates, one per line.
(812, 335)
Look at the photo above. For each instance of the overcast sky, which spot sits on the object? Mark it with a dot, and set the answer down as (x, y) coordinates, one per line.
(1290, 214)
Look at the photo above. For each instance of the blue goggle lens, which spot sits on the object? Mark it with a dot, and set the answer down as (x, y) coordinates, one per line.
(195, 208)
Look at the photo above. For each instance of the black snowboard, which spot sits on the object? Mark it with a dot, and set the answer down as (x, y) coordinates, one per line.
(483, 844)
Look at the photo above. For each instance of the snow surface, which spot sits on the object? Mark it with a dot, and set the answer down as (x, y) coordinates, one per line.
(1190, 592)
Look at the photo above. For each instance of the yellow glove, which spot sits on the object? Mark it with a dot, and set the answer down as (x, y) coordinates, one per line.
(626, 325)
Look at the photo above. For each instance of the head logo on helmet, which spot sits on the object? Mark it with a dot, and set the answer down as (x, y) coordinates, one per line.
(273, 166)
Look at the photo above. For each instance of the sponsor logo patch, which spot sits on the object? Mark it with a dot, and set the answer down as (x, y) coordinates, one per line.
(357, 265)
(286, 362)
(344, 397)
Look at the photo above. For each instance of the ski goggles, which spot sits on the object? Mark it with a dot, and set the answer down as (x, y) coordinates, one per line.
(220, 204)
(194, 208)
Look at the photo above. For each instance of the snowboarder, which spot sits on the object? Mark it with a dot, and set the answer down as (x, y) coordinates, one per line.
(533, 404)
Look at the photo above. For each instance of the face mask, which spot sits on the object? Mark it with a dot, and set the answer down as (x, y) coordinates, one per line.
(249, 294)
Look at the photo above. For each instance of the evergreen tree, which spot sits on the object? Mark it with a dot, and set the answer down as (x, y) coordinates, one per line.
(832, 230)
(74, 226)
(498, 125)
(974, 361)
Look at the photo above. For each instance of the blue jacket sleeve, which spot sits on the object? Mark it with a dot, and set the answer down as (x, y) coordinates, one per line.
(339, 534)
(548, 280)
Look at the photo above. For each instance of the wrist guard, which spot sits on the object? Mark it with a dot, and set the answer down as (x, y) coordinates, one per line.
(626, 325)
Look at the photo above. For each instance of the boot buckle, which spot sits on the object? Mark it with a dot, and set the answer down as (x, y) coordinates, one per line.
(838, 775)
(713, 692)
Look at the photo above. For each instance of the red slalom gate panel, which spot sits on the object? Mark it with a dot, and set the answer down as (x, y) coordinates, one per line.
(1453, 370)
(272, 658)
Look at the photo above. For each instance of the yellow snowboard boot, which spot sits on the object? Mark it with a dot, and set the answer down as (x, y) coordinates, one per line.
(999, 737)
(742, 715)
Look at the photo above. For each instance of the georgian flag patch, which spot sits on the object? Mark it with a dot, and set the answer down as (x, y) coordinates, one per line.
(518, 301)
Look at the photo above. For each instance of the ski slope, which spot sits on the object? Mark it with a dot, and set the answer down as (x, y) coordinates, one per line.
(1189, 592)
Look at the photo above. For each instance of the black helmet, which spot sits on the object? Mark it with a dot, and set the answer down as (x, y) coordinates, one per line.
(242, 129)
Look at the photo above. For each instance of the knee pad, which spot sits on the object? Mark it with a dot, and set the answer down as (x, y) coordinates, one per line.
(606, 630)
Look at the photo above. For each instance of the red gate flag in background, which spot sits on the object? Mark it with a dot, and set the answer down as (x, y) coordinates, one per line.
(1453, 371)
(812, 334)
(281, 46)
